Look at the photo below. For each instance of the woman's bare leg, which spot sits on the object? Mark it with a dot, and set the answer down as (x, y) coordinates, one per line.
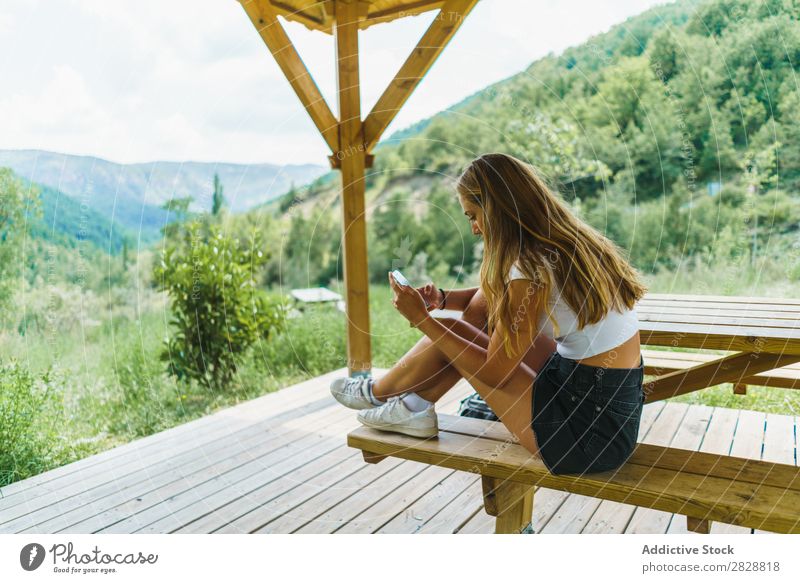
(420, 370)
(512, 403)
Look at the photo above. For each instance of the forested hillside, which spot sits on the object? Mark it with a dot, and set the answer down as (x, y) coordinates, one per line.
(676, 133)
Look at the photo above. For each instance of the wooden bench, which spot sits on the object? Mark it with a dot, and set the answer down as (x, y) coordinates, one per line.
(762, 338)
(703, 487)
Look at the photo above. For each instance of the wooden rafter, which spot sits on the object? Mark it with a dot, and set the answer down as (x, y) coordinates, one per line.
(264, 18)
(428, 49)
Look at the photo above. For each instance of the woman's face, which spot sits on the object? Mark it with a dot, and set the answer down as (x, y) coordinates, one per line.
(474, 213)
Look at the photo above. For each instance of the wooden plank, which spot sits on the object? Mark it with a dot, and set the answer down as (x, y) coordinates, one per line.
(180, 509)
(760, 317)
(357, 512)
(718, 323)
(457, 513)
(225, 497)
(710, 298)
(134, 479)
(422, 57)
(719, 440)
(610, 516)
(479, 523)
(155, 483)
(779, 446)
(297, 516)
(225, 421)
(650, 520)
(546, 502)
(352, 163)
(732, 368)
(689, 436)
(396, 502)
(747, 442)
(308, 480)
(180, 498)
(742, 503)
(267, 504)
(360, 499)
(300, 515)
(269, 28)
(750, 470)
(412, 518)
(573, 515)
(749, 437)
(734, 338)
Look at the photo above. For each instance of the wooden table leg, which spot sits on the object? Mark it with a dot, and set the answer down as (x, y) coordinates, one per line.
(511, 502)
(698, 525)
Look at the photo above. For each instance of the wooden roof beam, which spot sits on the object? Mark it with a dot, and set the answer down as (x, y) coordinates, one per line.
(264, 18)
(447, 21)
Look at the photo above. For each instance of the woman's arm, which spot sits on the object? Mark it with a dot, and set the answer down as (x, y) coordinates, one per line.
(490, 366)
(458, 299)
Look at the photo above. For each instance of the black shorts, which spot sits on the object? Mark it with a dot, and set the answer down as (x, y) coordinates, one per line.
(586, 418)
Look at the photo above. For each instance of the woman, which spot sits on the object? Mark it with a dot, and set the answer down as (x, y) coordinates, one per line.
(550, 341)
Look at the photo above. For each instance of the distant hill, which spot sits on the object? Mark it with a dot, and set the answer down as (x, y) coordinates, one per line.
(65, 223)
(130, 194)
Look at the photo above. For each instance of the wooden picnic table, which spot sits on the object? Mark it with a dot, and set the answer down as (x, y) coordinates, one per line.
(763, 333)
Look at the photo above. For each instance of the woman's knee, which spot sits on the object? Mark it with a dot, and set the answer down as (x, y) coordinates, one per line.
(475, 313)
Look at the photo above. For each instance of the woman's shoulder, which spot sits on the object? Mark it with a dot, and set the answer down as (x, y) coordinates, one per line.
(516, 271)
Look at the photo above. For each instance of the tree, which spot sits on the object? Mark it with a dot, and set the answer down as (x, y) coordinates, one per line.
(16, 202)
(218, 313)
(218, 200)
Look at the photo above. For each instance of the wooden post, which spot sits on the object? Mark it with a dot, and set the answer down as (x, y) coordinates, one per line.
(511, 502)
(351, 157)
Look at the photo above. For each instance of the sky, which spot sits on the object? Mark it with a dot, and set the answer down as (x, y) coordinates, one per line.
(192, 80)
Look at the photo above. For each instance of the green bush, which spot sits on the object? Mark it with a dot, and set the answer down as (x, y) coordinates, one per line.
(30, 408)
(218, 313)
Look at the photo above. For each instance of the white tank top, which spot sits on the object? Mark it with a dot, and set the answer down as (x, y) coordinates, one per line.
(592, 339)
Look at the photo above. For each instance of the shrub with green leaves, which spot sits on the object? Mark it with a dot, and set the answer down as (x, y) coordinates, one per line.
(29, 408)
(218, 312)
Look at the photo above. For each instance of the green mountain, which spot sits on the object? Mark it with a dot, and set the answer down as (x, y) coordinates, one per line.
(130, 195)
(677, 133)
(66, 223)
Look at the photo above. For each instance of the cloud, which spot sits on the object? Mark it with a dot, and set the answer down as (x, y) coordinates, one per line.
(191, 79)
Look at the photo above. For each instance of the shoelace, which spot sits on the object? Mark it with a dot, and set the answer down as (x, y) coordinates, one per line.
(357, 384)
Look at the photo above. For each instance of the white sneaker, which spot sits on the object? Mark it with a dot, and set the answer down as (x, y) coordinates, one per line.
(395, 416)
(353, 392)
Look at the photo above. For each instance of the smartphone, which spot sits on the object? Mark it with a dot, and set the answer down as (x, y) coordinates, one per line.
(402, 280)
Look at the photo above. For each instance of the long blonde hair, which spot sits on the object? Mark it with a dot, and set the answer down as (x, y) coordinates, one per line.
(525, 221)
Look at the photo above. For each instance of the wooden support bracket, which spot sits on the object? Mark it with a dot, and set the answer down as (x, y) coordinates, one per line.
(372, 458)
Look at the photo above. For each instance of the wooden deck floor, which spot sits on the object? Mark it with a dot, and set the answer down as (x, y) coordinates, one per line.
(280, 464)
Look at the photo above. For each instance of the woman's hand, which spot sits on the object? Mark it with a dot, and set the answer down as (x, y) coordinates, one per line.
(430, 293)
(408, 301)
